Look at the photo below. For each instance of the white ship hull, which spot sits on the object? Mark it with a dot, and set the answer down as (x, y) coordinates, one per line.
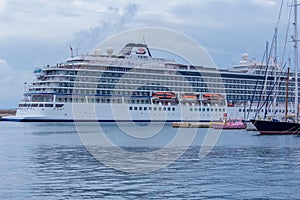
(126, 113)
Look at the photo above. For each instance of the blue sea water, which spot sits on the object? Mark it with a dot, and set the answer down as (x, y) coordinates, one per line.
(49, 161)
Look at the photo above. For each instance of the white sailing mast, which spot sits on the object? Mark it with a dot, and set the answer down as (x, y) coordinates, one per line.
(296, 58)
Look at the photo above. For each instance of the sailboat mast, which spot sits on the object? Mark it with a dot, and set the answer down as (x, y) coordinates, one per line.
(275, 73)
(287, 93)
(296, 59)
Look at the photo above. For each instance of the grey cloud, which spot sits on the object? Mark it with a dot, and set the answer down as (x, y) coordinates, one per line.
(87, 39)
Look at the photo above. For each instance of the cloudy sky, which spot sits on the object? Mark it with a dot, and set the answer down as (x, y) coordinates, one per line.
(38, 32)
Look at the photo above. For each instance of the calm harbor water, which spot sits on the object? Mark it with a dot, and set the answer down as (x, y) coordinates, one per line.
(49, 161)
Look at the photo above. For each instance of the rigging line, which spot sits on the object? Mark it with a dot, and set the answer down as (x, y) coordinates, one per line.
(280, 83)
(279, 16)
(266, 73)
(272, 46)
(276, 83)
(270, 92)
(261, 66)
(256, 84)
(267, 68)
(286, 36)
(282, 59)
(257, 80)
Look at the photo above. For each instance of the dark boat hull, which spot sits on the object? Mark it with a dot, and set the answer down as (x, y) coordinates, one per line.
(276, 128)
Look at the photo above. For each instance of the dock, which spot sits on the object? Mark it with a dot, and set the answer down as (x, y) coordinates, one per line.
(7, 113)
(191, 124)
(250, 126)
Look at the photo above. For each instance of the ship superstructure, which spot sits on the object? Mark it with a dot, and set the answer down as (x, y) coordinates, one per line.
(134, 86)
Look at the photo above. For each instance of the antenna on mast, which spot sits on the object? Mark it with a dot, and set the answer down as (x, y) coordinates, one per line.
(71, 49)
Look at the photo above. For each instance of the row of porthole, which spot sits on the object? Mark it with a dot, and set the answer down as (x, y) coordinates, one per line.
(152, 108)
(208, 109)
(254, 110)
(40, 105)
(173, 109)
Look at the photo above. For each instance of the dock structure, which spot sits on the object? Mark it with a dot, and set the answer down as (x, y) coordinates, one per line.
(191, 124)
(250, 126)
(7, 113)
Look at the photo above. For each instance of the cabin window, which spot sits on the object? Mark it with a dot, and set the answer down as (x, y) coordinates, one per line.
(48, 105)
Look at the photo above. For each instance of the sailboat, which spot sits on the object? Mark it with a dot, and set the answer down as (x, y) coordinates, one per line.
(288, 125)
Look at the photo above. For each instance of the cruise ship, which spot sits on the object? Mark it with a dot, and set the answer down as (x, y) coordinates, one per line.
(134, 86)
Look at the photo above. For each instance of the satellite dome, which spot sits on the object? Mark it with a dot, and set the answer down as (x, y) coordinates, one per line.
(245, 56)
(109, 51)
(97, 52)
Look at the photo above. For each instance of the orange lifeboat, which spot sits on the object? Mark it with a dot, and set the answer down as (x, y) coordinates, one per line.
(190, 96)
(164, 95)
(213, 96)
